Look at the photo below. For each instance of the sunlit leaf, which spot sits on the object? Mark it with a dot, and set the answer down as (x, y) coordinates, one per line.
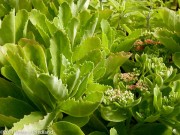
(81, 108)
(176, 59)
(87, 46)
(16, 108)
(65, 128)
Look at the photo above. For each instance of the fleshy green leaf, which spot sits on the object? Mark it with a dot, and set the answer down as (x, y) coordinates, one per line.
(9, 73)
(87, 46)
(84, 17)
(60, 44)
(55, 86)
(35, 53)
(169, 39)
(157, 98)
(81, 108)
(125, 45)
(82, 5)
(152, 118)
(40, 5)
(72, 30)
(97, 87)
(13, 27)
(7, 120)
(31, 118)
(170, 43)
(35, 128)
(114, 61)
(176, 59)
(13, 107)
(94, 56)
(21, 24)
(90, 26)
(9, 89)
(117, 115)
(64, 15)
(85, 72)
(113, 131)
(43, 25)
(79, 121)
(28, 75)
(107, 34)
(65, 128)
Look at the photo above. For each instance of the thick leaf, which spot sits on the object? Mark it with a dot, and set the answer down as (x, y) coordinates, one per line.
(157, 98)
(26, 4)
(3, 10)
(176, 88)
(65, 128)
(85, 72)
(65, 68)
(73, 82)
(42, 105)
(114, 61)
(82, 5)
(9, 89)
(72, 30)
(87, 46)
(113, 131)
(117, 115)
(79, 121)
(21, 24)
(13, 107)
(170, 19)
(35, 128)
(94, 56)
(7, 29)
(35, 53)
(176, 59)
(81, 108)
(104, 14)
(43, 25)
(7, 120)
(13, 27)
(90, 26)
(125, 45)
(97, 87)
(60, 44)
(107, 34)
(84, 17)
(64, 15)
(9, 73)
(152, 118)
(100, 69)
(55, 86)
(170, 44)
(28, 75)
(40, 5)
(31, 118)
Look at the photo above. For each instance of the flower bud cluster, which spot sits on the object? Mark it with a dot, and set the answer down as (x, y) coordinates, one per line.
(132, 82)
(118, 96)
(140, 45)
(171, 99)
(129, 78)
(140, 85)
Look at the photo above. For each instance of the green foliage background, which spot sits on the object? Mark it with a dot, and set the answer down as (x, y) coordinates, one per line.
(90, 67)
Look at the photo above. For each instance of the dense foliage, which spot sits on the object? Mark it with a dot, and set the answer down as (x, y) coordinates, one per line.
(93, 67)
